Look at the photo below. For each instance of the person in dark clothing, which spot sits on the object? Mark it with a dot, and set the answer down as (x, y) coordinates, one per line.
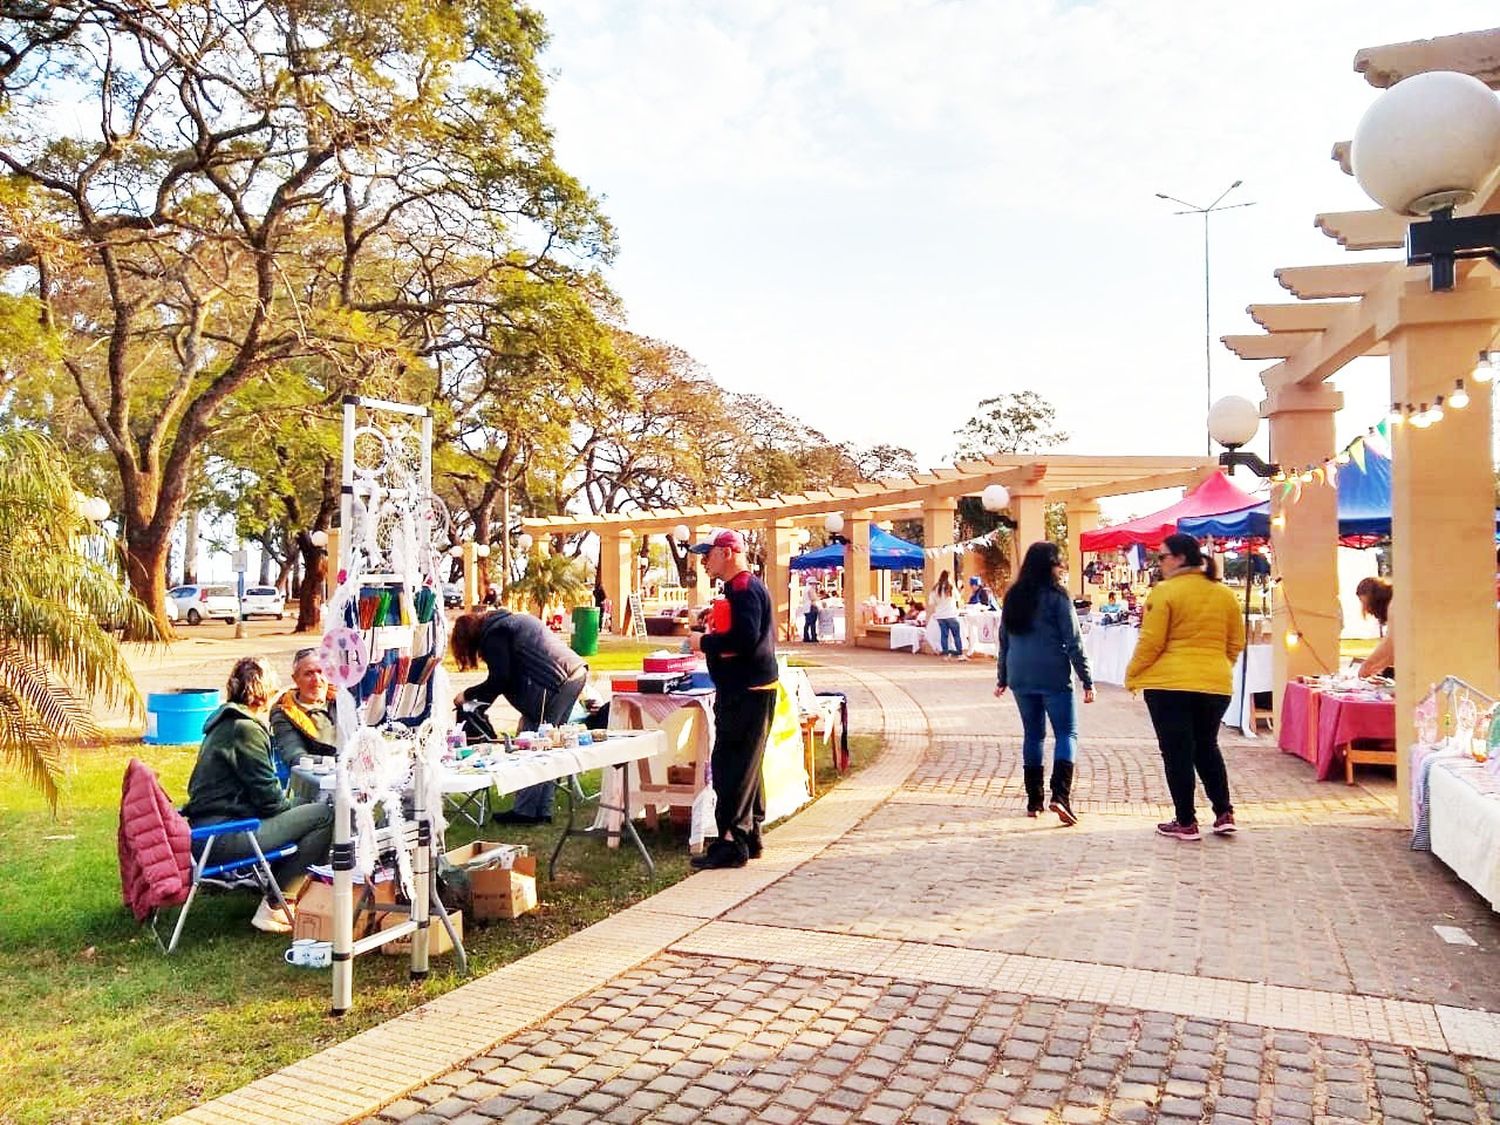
(1040, 650)
(233, 779)
(979, 593)
(741, 651)
(534, 670)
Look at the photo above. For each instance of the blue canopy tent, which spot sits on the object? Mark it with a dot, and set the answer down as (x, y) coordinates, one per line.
(886, 553)
(1364, 507)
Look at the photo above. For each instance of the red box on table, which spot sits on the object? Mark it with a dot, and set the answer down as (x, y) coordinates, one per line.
(677, 662)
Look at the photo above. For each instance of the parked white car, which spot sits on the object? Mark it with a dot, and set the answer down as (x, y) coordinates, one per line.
(195, 603)
(263, 601)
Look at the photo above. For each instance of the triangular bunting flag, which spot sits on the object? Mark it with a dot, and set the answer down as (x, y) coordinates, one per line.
(1332, 472)
(1383, 428)
(1357, 451)
(1318, 475)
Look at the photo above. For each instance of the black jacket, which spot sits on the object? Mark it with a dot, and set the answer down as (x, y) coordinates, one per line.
(527, 662)
(745, 656)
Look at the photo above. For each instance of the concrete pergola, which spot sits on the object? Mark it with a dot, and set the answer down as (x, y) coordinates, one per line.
(1443, 563)
(1078, 482)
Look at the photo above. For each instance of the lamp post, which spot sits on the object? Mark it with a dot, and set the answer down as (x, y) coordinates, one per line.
(1192, 209)
(1232, 422)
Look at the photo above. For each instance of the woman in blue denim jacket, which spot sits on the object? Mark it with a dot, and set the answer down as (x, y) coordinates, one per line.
(1040, 649)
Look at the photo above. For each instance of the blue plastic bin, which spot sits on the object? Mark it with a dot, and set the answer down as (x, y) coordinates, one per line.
(176, 718)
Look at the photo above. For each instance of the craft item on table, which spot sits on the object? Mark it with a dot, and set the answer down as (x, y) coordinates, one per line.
(343, 656)
(424, 604)
(1425, 718)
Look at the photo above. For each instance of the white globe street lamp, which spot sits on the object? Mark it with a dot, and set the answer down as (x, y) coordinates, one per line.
(318, 538)
(1424, 147)
(481, 550)
(995, 497)
(523, 542)
(456, 551)
(833, 523)
(1233, 421)
(681, 533)
(96, 508)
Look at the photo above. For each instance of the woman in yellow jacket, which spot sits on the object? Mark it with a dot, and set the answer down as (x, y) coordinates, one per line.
(1191, 634)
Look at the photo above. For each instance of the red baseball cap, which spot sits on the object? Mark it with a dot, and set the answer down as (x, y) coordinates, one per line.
(726, 538)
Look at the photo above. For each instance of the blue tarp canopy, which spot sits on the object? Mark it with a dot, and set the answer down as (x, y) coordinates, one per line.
(1364, 507)
(886, 553)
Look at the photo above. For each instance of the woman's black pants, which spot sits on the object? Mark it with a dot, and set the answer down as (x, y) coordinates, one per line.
(1187, 730)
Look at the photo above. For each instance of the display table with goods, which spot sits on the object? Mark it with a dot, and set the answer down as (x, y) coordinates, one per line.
(1241, 712)
(1339, 722)
(1455, 781)
(679, 775)
(1109, 647)
(978, 627)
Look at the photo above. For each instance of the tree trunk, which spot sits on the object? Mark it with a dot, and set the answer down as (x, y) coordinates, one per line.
(314, 572)
(190, 548)
(146, 554)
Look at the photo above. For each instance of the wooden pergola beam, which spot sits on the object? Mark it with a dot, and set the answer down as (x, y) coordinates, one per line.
(1310, 316)
(1471, 52)
(1282, 345)
(1347, 279)
(1364, 230)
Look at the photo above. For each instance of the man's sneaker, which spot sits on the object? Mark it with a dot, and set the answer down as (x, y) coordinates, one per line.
(1224, 825)
(1179, 831)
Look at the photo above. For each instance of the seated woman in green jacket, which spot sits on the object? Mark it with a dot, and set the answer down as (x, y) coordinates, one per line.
(233, 779)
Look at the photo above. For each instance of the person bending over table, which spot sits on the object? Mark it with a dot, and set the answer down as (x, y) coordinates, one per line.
(1374, 596)
(233, 779)
(303, 719)
(741, 654)
(536, 673)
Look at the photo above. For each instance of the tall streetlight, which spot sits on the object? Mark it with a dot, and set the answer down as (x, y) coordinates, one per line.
(1193, 209)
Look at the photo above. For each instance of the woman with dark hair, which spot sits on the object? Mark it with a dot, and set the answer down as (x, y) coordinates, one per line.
(942, 607)
(1191, 635)
(536, 673)
(1374, 596)
(233, 779)
(1040, 649)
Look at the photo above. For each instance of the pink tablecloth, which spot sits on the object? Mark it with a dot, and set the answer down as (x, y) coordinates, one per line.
(1316, 726)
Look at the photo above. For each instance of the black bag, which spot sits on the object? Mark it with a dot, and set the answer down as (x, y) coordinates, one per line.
(474, 720)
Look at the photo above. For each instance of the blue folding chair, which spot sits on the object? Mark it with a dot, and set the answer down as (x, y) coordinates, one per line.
(250, 871)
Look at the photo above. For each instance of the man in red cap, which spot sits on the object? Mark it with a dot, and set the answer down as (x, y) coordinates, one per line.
(741, 650)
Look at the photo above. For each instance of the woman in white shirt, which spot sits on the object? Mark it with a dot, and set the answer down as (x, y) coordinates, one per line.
(809, 610)
(942, 607)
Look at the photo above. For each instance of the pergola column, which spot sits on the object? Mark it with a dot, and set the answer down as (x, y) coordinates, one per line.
(617, 572)
(1442, 527)
(937, 531)
(471, 575)
(856, 573)
(1304, 537)
(778, 576)
(1083, 515)
(1029, 507)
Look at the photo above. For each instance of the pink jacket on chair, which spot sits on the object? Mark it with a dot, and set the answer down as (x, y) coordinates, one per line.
(154, 844)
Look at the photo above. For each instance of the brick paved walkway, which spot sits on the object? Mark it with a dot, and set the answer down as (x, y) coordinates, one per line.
(913, 948)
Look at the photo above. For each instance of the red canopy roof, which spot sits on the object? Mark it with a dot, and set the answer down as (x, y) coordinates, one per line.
(1213, 497)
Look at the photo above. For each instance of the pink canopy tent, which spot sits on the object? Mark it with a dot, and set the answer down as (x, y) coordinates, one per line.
(1213, 497)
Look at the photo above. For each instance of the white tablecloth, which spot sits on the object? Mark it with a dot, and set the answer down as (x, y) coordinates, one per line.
(1242, 708)
(908, 636)
(1109, 649)
(1464, 820)
(979, 630)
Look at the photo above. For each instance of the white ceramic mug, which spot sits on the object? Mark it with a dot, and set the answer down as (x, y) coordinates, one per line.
(300, 948)
(319, 955)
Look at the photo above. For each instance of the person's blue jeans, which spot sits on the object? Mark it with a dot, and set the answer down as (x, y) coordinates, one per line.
(1037, 709)
(948, 627)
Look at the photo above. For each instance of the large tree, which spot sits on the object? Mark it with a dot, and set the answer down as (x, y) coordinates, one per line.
(1010, 423)
(263, 185)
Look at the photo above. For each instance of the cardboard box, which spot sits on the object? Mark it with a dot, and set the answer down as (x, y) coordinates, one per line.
(498, 892)
(623, 683)
(437, 935)
(314, 916)
(680, 662)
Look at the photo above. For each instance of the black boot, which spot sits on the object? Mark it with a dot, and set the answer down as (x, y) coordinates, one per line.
(1033, 776)
(1062, 788)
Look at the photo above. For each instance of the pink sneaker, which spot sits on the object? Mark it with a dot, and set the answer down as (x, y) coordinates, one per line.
(1179, 831)
(1224, 825)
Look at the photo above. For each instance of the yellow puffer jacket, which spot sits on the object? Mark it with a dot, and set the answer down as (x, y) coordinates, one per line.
(1191, 635)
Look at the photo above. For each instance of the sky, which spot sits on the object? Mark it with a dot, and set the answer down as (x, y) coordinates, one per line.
(879, 212)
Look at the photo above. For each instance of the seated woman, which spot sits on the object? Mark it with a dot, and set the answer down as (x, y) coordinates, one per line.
(303, 717)
(1113, 607)
(233, 779)
(1374, 596)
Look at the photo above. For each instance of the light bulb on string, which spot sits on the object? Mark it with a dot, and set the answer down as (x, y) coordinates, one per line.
(1343, 458)
(1436, 413)
(1293, 638)
(1484, 370)
(1459, 398)
(1420, 419)
(1396, 416)
(1307, 476)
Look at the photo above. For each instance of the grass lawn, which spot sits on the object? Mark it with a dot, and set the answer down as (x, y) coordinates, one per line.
(102, 1027)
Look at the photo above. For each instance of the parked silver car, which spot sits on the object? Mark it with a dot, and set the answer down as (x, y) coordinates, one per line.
(197, 602)
(263, 601)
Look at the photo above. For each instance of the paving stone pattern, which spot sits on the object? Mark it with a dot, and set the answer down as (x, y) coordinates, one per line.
(689, 1039)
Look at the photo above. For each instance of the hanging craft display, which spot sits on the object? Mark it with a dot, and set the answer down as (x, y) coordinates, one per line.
(343, 656)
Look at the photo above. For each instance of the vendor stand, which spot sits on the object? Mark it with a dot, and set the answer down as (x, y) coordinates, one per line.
(1322, 717)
